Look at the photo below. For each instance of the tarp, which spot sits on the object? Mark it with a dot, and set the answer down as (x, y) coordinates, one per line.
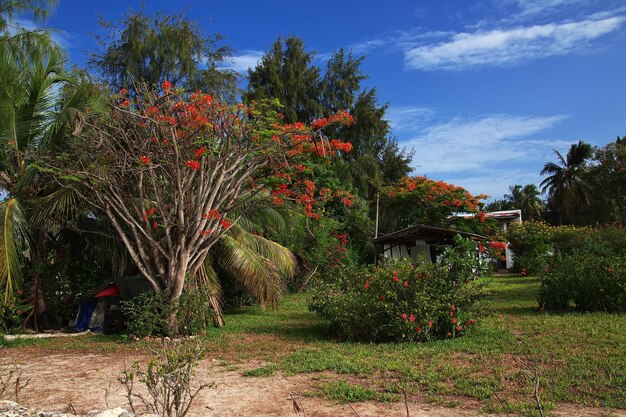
(109, 291)
(85, 312)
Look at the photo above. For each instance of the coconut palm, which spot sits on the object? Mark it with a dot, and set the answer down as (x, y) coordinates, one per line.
(525, 198)
(565, 184)
(39, 107)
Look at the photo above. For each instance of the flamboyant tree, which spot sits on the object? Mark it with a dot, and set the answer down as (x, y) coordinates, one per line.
(168, 169)
(420, 200)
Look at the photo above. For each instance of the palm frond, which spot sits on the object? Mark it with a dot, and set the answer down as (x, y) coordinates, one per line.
(255, 272)
(14, 239)
(58, 207)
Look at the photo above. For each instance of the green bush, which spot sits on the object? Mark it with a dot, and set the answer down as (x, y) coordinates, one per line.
(147, 312)
(592, 282)
(601, 241)
(12, 316)
(400, 300)
(531, 243)
(194, 314)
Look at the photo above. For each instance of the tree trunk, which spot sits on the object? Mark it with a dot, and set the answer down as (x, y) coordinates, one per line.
(173, 291)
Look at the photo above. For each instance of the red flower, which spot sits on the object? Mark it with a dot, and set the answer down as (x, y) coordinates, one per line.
(123, 92)
(420, 275)
(347, 201)
(200, 152)
(454, 320)
(449, 334)
(367, 285)
(481, 248)
(395, 278)
(412, 318)
(382, 297)
(144, 160)
(453, 308)
(155, 225)
(430, 324)
(195, 165)
(166, 85)
(212, 214)
(152, 211)
(225, 223)
(406, 283)
(472, 321)
(404, 316)
(418, 330)
(609, 270)
(206, 232)
(452, 314)
(458, 328)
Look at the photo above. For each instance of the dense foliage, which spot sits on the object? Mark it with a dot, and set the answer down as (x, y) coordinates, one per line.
(592, 282)
(402, 300)
(582, 265)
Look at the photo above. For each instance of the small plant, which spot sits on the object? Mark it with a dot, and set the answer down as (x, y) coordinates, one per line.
(12, 381)
(167, 378)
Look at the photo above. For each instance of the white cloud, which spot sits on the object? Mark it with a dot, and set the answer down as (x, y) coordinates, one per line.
(61, 38)
(241, 63)
(496, 182)
(480, 144)
(408, 118)
(533, 7)
(509, 46)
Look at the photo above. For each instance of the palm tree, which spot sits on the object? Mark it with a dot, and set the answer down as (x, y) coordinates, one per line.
(526, 198)
(565, 185)
(39, 108)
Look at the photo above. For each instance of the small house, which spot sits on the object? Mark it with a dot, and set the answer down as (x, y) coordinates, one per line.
(419, 241)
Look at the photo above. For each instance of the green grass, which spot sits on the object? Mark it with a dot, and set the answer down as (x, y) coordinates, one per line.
(345, 392)
(263, 371)
(580, 356)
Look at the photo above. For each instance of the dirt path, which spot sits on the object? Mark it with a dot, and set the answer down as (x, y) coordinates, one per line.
(78, 382)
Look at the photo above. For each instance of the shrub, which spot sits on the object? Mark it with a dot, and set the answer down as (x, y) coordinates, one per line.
(400, 300)
(601, 241)
(12, 317)
(146, 313)
(592, 282)
(531, 243)
(193, 313)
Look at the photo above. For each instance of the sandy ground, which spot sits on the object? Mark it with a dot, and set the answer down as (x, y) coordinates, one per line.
(78, 383)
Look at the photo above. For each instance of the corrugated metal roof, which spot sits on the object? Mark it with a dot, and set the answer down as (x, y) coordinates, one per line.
(422, 229)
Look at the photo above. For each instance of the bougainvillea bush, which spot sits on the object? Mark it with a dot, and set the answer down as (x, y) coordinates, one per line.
(399, 300)
(591, 282)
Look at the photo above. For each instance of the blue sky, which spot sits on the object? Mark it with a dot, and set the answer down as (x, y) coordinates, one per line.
(482, 90)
